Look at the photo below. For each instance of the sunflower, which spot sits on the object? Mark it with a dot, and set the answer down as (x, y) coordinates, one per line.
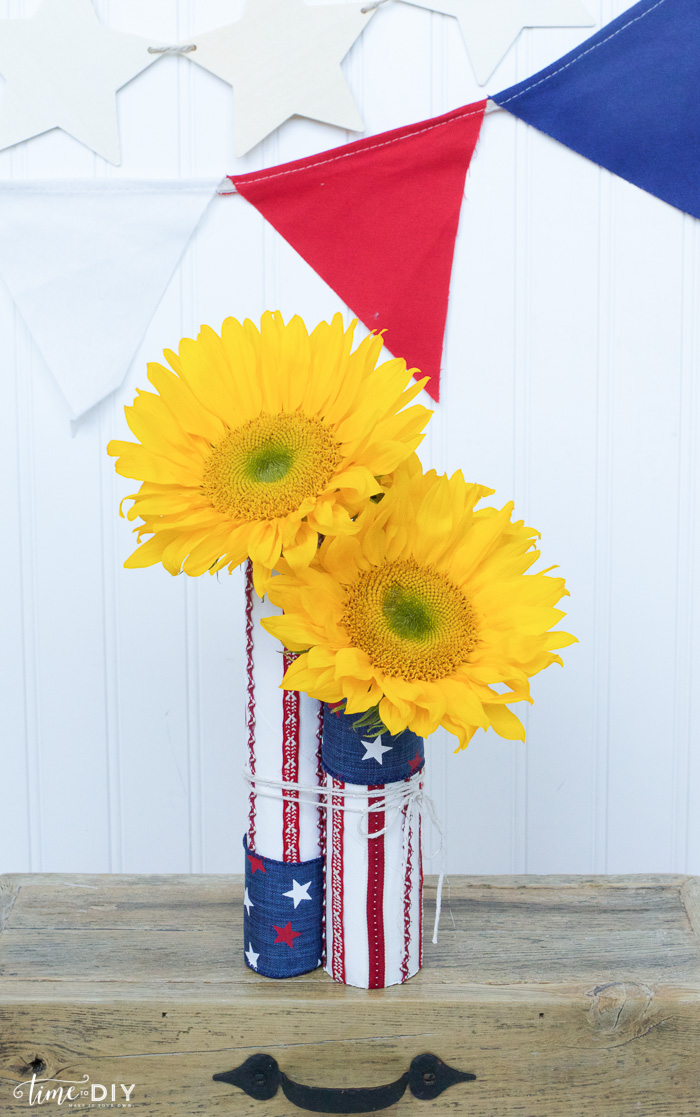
(259, 441)
(425, 615)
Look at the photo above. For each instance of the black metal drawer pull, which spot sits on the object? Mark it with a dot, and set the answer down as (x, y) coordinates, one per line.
(260, 1075)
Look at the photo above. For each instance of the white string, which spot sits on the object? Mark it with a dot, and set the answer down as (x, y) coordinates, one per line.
(408, 793)
(173, 50)
(228, 187)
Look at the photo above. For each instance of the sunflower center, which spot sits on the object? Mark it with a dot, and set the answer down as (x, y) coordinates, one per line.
(268, 466)
(412, 621)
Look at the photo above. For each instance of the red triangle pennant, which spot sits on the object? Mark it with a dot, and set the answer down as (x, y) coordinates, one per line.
(377, 219)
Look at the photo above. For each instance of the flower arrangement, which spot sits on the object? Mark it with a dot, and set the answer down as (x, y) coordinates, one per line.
(401, 603)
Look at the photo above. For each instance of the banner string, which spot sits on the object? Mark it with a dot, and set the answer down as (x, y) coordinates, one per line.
(408, 793)
(228, 187)
(173, 50)
(373, 6)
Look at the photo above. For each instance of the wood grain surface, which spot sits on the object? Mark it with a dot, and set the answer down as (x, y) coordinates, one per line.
(563, 995)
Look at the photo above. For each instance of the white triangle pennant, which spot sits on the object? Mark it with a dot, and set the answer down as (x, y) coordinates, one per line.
(87, 264)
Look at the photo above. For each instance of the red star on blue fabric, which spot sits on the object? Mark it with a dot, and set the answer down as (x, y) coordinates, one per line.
(286, 934)
(416, 762)
(256, 863)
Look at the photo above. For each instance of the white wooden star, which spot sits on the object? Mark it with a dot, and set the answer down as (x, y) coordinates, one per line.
(63, 70)
(298, 892)
(247, 902)
(490, 27)
(283, 59)
(375, 749)
(252, 957)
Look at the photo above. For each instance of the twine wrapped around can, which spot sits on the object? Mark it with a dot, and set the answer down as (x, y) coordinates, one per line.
(374, 869)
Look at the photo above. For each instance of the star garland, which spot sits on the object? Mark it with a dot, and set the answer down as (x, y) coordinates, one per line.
(63, 69)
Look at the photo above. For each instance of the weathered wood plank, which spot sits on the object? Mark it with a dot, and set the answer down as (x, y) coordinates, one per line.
(215, 881)
(563, 997)
(9, 891)
(96, 882)
(690, 894)
(555, 1059)
(192, 930)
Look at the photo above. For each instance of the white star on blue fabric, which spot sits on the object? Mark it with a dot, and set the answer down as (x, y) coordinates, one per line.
(375, 749)
(298, 892)
(251, 956)
(247, 902)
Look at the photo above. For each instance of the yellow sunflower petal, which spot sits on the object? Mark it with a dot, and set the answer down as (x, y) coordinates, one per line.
(303, 551)
(191, 416)
(148, 553)
(505, 723)
(391, 716)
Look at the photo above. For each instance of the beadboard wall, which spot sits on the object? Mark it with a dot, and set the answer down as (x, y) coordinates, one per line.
(570, 385)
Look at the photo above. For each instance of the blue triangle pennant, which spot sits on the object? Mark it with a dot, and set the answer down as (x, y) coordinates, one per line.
(627, 98)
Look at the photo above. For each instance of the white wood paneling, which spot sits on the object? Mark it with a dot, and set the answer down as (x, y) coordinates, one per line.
(570, 384)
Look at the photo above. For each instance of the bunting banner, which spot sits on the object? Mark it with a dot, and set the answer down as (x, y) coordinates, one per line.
(87, 264)
(377, 219)
(627, 99)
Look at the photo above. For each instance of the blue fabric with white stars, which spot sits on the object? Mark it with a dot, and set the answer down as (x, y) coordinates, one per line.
(350, 757)
(283, 912)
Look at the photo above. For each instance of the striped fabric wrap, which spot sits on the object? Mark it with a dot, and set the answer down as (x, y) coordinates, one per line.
(284, 732)
(374, 873)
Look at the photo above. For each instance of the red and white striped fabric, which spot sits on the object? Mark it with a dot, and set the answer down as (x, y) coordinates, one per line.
(374, 889)
(284, 744)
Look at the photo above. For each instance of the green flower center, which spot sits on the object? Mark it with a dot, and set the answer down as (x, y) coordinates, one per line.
(407, 615)
(272, 463)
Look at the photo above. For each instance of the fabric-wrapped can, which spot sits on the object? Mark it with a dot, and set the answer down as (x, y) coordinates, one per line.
(284, 747)
(282, 919)
(374, 871)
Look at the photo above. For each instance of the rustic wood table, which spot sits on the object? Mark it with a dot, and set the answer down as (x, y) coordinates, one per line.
(564, 996)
